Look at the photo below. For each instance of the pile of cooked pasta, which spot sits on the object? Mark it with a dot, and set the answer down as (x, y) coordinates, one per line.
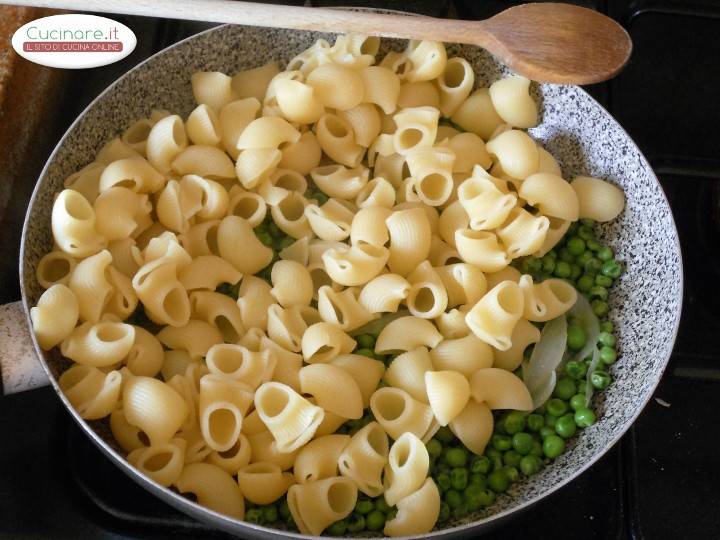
(291, 214)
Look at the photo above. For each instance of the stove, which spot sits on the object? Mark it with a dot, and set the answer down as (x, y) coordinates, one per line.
(660, 481)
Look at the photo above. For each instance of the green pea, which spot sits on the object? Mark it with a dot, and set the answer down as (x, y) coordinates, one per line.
(512, 473)
(512, 458)
(274, 231)
(366, 352)
(364, 506)
(495, 457)
(607, 326)
(479, 464)
(529, 465)
(321, 198)
(453, 498)
(548, 264)
(600, 379)
(553, 446)
(574, 226)
(537, 449)
(611, 269)
(556, 407)
(598, 292)
(593, 245)
(286, 241)
(338, 528)
(603, 281)
(253, 515)
(514, 422)
(285, 510)
(565, 426)
(584, 417)
(473, 495)
(600, 307)
(608, 355)
(444, 512)
(356, 523)
(606, 339)
(487, 497)
(575, 272)
(459, 478)
(522, 443)
(575, 369)
(498, 481)
(550, 420)
(443, 481)
(444, 435)
(381, 505)
(586, 233)
(605, 253)
(564, 256)
(583, 258)
(585, 283)
(592, 266)
(535, 422)
(392, 513)
(375, 520)
(565, 388)
(365, 341)
(434, 448)
(492, 453)
(456, 457)
(576, 337)
(270, 513)
(575, 245)
(265, 273)
(264, 237)
(478, 479)
(501, 442)
(532, 264)
(577, 402)
(461, 511)
(562, 269)
(442, 467)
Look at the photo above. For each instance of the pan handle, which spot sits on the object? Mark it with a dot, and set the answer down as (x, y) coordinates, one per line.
(19, 363)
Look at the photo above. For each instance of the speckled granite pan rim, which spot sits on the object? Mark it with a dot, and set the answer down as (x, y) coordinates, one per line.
(235, 526)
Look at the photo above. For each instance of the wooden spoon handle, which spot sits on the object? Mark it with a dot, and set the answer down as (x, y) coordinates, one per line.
(279, 16)
(557, 43)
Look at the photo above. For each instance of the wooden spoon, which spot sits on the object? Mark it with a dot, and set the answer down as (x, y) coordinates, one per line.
(546, 42)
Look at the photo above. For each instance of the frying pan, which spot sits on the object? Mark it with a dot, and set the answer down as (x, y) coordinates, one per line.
(586, 140)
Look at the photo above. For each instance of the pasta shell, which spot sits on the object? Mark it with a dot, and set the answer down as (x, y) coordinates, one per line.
(316, 505)
(55, 316)
(163, 463)
(364, 458)
(263, 483)
(465, 355)
(500, 389)
(407, 371)
(213, 488)
(93, 393)
(448, 393)
(333, 388)
(407, 468)
(319, 458)
(473, 426)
